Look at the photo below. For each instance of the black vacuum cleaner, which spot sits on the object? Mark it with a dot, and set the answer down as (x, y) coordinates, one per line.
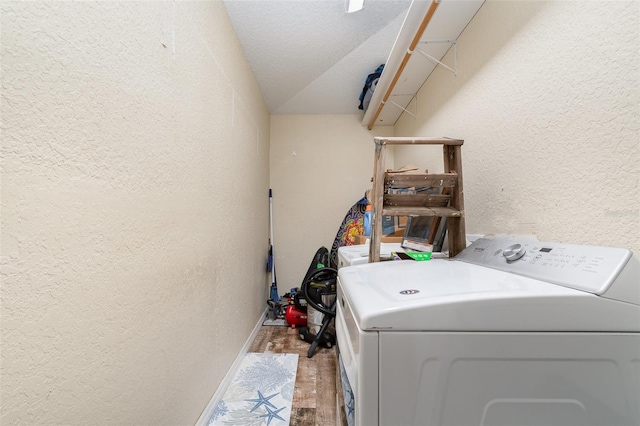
(319, 290)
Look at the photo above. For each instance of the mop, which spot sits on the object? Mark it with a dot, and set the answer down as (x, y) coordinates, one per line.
(274, 297)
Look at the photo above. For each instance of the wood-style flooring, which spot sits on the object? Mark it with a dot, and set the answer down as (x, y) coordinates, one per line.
(314, 396)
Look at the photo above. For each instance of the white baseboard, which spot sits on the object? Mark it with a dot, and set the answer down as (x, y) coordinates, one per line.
(222, 388)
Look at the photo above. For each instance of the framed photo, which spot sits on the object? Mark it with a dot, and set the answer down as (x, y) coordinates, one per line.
(417, 233)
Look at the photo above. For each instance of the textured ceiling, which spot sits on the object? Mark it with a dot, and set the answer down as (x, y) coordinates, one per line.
(309, 56)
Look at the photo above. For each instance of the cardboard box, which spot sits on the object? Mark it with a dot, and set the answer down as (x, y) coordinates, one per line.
(362, 239)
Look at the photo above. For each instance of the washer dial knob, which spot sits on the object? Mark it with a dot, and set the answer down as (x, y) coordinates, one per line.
(514, 252)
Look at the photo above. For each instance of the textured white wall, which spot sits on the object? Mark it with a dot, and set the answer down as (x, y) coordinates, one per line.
(320, 166)
(134, 210)
(546, 99)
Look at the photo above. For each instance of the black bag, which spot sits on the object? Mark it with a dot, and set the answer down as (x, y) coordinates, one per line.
(320, 260)
(369, 86)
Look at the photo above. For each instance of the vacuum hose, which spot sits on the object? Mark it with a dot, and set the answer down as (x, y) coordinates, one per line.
(321, 274)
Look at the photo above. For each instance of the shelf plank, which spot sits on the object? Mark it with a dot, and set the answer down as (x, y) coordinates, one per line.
(416, 141)
(416, 200)
(422, 211)
(441, 180)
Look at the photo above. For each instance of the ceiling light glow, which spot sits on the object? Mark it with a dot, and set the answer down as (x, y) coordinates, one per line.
(354, 5)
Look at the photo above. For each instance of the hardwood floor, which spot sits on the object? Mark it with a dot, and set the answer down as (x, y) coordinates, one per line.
(314, 397)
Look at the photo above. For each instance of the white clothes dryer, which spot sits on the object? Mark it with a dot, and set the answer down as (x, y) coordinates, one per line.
(507, 333)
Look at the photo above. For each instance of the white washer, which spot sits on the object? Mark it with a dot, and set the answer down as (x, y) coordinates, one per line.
(549, 337)
(359, 254)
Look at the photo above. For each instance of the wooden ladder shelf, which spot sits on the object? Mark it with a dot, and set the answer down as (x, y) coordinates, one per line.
(448, 203)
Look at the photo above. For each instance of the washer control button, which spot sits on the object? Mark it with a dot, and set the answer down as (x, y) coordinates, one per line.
(514, 252)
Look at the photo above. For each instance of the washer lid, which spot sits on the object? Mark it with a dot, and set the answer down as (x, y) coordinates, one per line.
(449, 295)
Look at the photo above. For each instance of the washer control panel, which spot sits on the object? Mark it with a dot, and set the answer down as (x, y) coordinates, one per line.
(587, 268)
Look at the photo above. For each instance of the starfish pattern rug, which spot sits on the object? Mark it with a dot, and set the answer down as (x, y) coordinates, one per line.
(260, 392)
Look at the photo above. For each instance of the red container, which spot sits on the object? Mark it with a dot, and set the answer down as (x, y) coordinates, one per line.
(295, 316)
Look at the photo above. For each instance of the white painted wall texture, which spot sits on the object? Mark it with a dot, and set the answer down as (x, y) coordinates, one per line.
(135, 169)
(135, 177)
(320, 166)
(546, 99)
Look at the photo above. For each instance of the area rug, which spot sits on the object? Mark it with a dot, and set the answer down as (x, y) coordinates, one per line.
(277, 321)
(260, 392)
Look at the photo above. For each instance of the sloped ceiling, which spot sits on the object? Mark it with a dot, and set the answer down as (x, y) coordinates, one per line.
(309, 56)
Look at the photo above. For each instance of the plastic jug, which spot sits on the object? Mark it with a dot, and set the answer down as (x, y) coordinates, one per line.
(367, 221)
